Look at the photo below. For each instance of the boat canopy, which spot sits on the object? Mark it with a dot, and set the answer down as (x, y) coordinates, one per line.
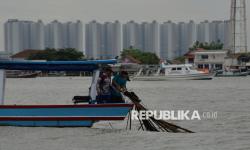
(89, 65)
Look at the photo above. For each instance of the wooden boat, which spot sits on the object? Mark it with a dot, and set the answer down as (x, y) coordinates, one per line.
(20, 74)
(75, 115)
(173, 72)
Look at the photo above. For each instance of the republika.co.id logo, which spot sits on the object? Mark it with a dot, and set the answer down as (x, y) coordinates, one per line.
(172, 115)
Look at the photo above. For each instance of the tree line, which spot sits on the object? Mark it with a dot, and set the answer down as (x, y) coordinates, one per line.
(71, 54)
(207, 46)
(68, 54)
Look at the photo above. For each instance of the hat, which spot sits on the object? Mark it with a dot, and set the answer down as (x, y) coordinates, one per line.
(125, 73)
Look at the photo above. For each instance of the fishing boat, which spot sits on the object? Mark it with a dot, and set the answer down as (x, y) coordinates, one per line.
(231, 73)
(172, 72)
(74, 115)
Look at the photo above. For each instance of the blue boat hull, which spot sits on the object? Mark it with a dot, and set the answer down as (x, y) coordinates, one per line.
(61, 115)
(48, 123)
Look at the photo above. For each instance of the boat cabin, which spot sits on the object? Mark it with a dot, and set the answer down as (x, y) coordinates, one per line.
(177, 69)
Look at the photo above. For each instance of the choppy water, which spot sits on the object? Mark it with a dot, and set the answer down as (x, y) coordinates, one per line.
(230, 97)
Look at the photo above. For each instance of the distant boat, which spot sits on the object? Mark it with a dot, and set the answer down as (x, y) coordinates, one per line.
(172, 72)
(231, 73)
(21, 74)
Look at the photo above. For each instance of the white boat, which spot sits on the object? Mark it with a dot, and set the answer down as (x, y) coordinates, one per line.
(172, 72)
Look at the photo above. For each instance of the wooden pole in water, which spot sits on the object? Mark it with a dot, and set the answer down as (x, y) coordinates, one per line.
(128, 120)
(2, 86)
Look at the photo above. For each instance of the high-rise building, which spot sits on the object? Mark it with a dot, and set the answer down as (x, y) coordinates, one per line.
(227, 34)
(79, 36)
(113, 39)
(131, 35)
(214, 31)
(103, 41)
(155, 39)
(182, 40)
(203, 32)
(37, 35)
(20, 35)
(169, 40)
(144, 36)
(93, 36)
(187, 33)
(54, 35)
(72, 35)
(191, 34)
(217, 31)
(13, 36)
(150, 37)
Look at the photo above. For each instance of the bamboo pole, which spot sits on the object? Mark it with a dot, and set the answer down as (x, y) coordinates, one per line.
(153, 124)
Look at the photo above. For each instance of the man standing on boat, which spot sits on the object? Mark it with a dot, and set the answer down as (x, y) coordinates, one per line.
(103, 86)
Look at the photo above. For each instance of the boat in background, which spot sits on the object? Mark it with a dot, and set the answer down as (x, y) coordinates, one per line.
(22, 74)
(74, 115)
(172, 72)
(231, 73)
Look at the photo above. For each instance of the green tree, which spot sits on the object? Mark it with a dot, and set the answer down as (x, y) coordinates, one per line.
(207, 46)
(58, 55)
(180, 59)
(144, 57)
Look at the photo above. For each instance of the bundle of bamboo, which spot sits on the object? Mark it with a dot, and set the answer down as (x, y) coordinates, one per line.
(153, 124)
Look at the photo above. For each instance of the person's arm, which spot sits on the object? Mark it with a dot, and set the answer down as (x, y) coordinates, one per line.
(115, 84)
(124, 88)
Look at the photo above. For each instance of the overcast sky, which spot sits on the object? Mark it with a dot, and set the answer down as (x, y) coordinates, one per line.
(110, 10)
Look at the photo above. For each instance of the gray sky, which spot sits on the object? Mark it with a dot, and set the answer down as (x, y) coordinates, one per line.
(110, 10)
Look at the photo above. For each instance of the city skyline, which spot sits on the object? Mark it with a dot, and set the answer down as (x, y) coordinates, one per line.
(139, 10)
(22, 34)
(106, 40)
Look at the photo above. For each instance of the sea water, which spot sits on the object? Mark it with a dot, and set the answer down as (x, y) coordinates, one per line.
(229, 130)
